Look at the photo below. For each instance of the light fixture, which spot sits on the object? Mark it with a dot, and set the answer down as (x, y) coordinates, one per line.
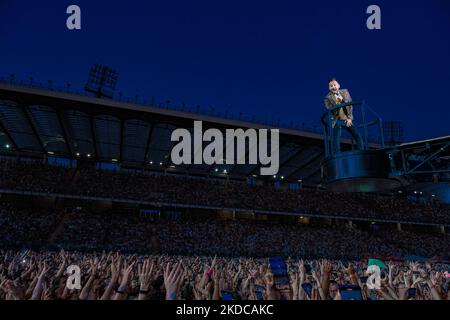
(160, 163)
(225, 171)
(8, 146)
(151, 162)
(50, 152)
(115, 160)
(78, 154)
(88, 155)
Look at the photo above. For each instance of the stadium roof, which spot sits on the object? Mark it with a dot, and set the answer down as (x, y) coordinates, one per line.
(36, 121)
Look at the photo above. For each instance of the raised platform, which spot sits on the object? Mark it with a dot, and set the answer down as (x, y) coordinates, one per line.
(358, 171)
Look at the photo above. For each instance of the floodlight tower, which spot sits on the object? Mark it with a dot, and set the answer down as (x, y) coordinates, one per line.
(102, 81)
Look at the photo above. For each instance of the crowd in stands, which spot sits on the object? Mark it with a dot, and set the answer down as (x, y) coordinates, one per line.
(25, 227)
(86, 230)
(185, 190)
(208, 236)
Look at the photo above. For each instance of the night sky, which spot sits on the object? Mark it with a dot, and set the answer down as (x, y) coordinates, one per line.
(270, 58)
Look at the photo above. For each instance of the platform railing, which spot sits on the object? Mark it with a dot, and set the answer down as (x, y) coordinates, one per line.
(327, 121)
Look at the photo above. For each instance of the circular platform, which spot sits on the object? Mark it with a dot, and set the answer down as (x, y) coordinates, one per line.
(358, 171)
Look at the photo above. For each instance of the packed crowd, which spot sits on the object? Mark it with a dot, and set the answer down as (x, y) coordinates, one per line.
(128, 232)
(113, 276)
(122, 255)
(25, 227)
(213, 193)
(208, 236)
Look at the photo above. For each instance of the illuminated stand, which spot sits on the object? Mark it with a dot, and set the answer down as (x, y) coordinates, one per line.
(365, 170)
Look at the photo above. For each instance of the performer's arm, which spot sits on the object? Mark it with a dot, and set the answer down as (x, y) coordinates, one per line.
(327, 103)
(348, 98)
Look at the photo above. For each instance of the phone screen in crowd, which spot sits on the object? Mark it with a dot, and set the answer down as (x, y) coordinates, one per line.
(446, 287)
(308, 268)
(279, 270)
(277, 265)
(226, 295)
(411, 293)
(350, 292)
(259, 291)
(308, 288)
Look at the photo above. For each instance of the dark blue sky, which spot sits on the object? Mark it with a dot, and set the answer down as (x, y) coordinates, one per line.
(265, 57)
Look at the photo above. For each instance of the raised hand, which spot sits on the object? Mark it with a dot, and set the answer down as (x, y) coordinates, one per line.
(327, 267)
(120, 293)
(116, 264)
(145, 275)
(302, 268)
(39, 285)
(46, 293)
(214, 262)
(126, 274)
(173, 277)
(407, 277)
(13, 289)
(271, 291)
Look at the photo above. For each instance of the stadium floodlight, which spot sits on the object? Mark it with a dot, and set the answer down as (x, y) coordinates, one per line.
(101, 81)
